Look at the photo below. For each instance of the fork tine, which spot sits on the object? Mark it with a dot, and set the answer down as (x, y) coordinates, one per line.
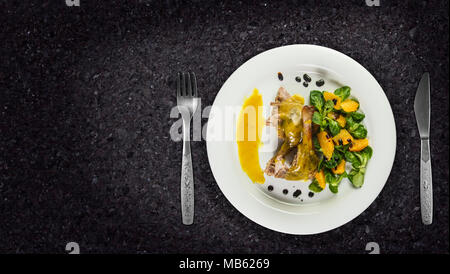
(183, 85)
(189, 84)
(178, 84)
(194, 85)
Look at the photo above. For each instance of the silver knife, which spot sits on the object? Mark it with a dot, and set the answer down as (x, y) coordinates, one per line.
(422, 111)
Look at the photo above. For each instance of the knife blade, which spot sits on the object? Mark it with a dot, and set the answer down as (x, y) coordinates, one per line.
(422, 106)
(422, 111)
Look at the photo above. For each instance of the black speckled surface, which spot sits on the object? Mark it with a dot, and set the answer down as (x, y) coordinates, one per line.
(85, 152)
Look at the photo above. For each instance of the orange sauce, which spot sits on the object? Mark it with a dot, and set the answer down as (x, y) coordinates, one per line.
(249, 130)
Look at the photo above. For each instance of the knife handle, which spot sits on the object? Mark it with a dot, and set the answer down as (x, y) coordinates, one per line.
(426, 186)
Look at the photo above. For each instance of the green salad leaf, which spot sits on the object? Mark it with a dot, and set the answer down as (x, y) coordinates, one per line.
(364, 155)
(333, 125)
(334, 160)
(333, 180)
(358, 171)
(314, 186)
(351, 158)
(360, 132)
(356, 177)
(356, 129)
(317, 118)
(334, 185)
(316, 99)
(342, 148)
(343, 92)
(328, 107)
(350, 124)
(357, 116)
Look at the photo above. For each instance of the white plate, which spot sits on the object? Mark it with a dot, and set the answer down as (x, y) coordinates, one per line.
(274, 210)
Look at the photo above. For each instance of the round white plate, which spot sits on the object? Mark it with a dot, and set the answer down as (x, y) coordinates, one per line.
(284, 212)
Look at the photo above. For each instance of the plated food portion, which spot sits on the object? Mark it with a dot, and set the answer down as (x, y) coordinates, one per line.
(290, 206)
(294, 126)
(340, 139)
(323, 141)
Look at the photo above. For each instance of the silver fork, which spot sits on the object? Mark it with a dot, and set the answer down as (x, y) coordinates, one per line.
(187, 103)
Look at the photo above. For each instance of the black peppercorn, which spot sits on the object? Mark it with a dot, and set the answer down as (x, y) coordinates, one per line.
(280, 76)
(297, 193)
(320, 83)
(306, 77)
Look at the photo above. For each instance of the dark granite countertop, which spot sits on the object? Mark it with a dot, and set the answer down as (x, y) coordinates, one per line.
(85, 151)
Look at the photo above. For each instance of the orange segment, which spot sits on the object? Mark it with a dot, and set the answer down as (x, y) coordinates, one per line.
(326, 144)
(333, 97)
(359, 144)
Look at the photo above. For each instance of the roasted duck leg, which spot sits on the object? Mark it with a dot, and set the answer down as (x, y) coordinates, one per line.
(286, 116)
(277, 166)
(294, 125)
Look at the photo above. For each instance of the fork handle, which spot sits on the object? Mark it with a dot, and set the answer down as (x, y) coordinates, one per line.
(426, 186)
(187, 178)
